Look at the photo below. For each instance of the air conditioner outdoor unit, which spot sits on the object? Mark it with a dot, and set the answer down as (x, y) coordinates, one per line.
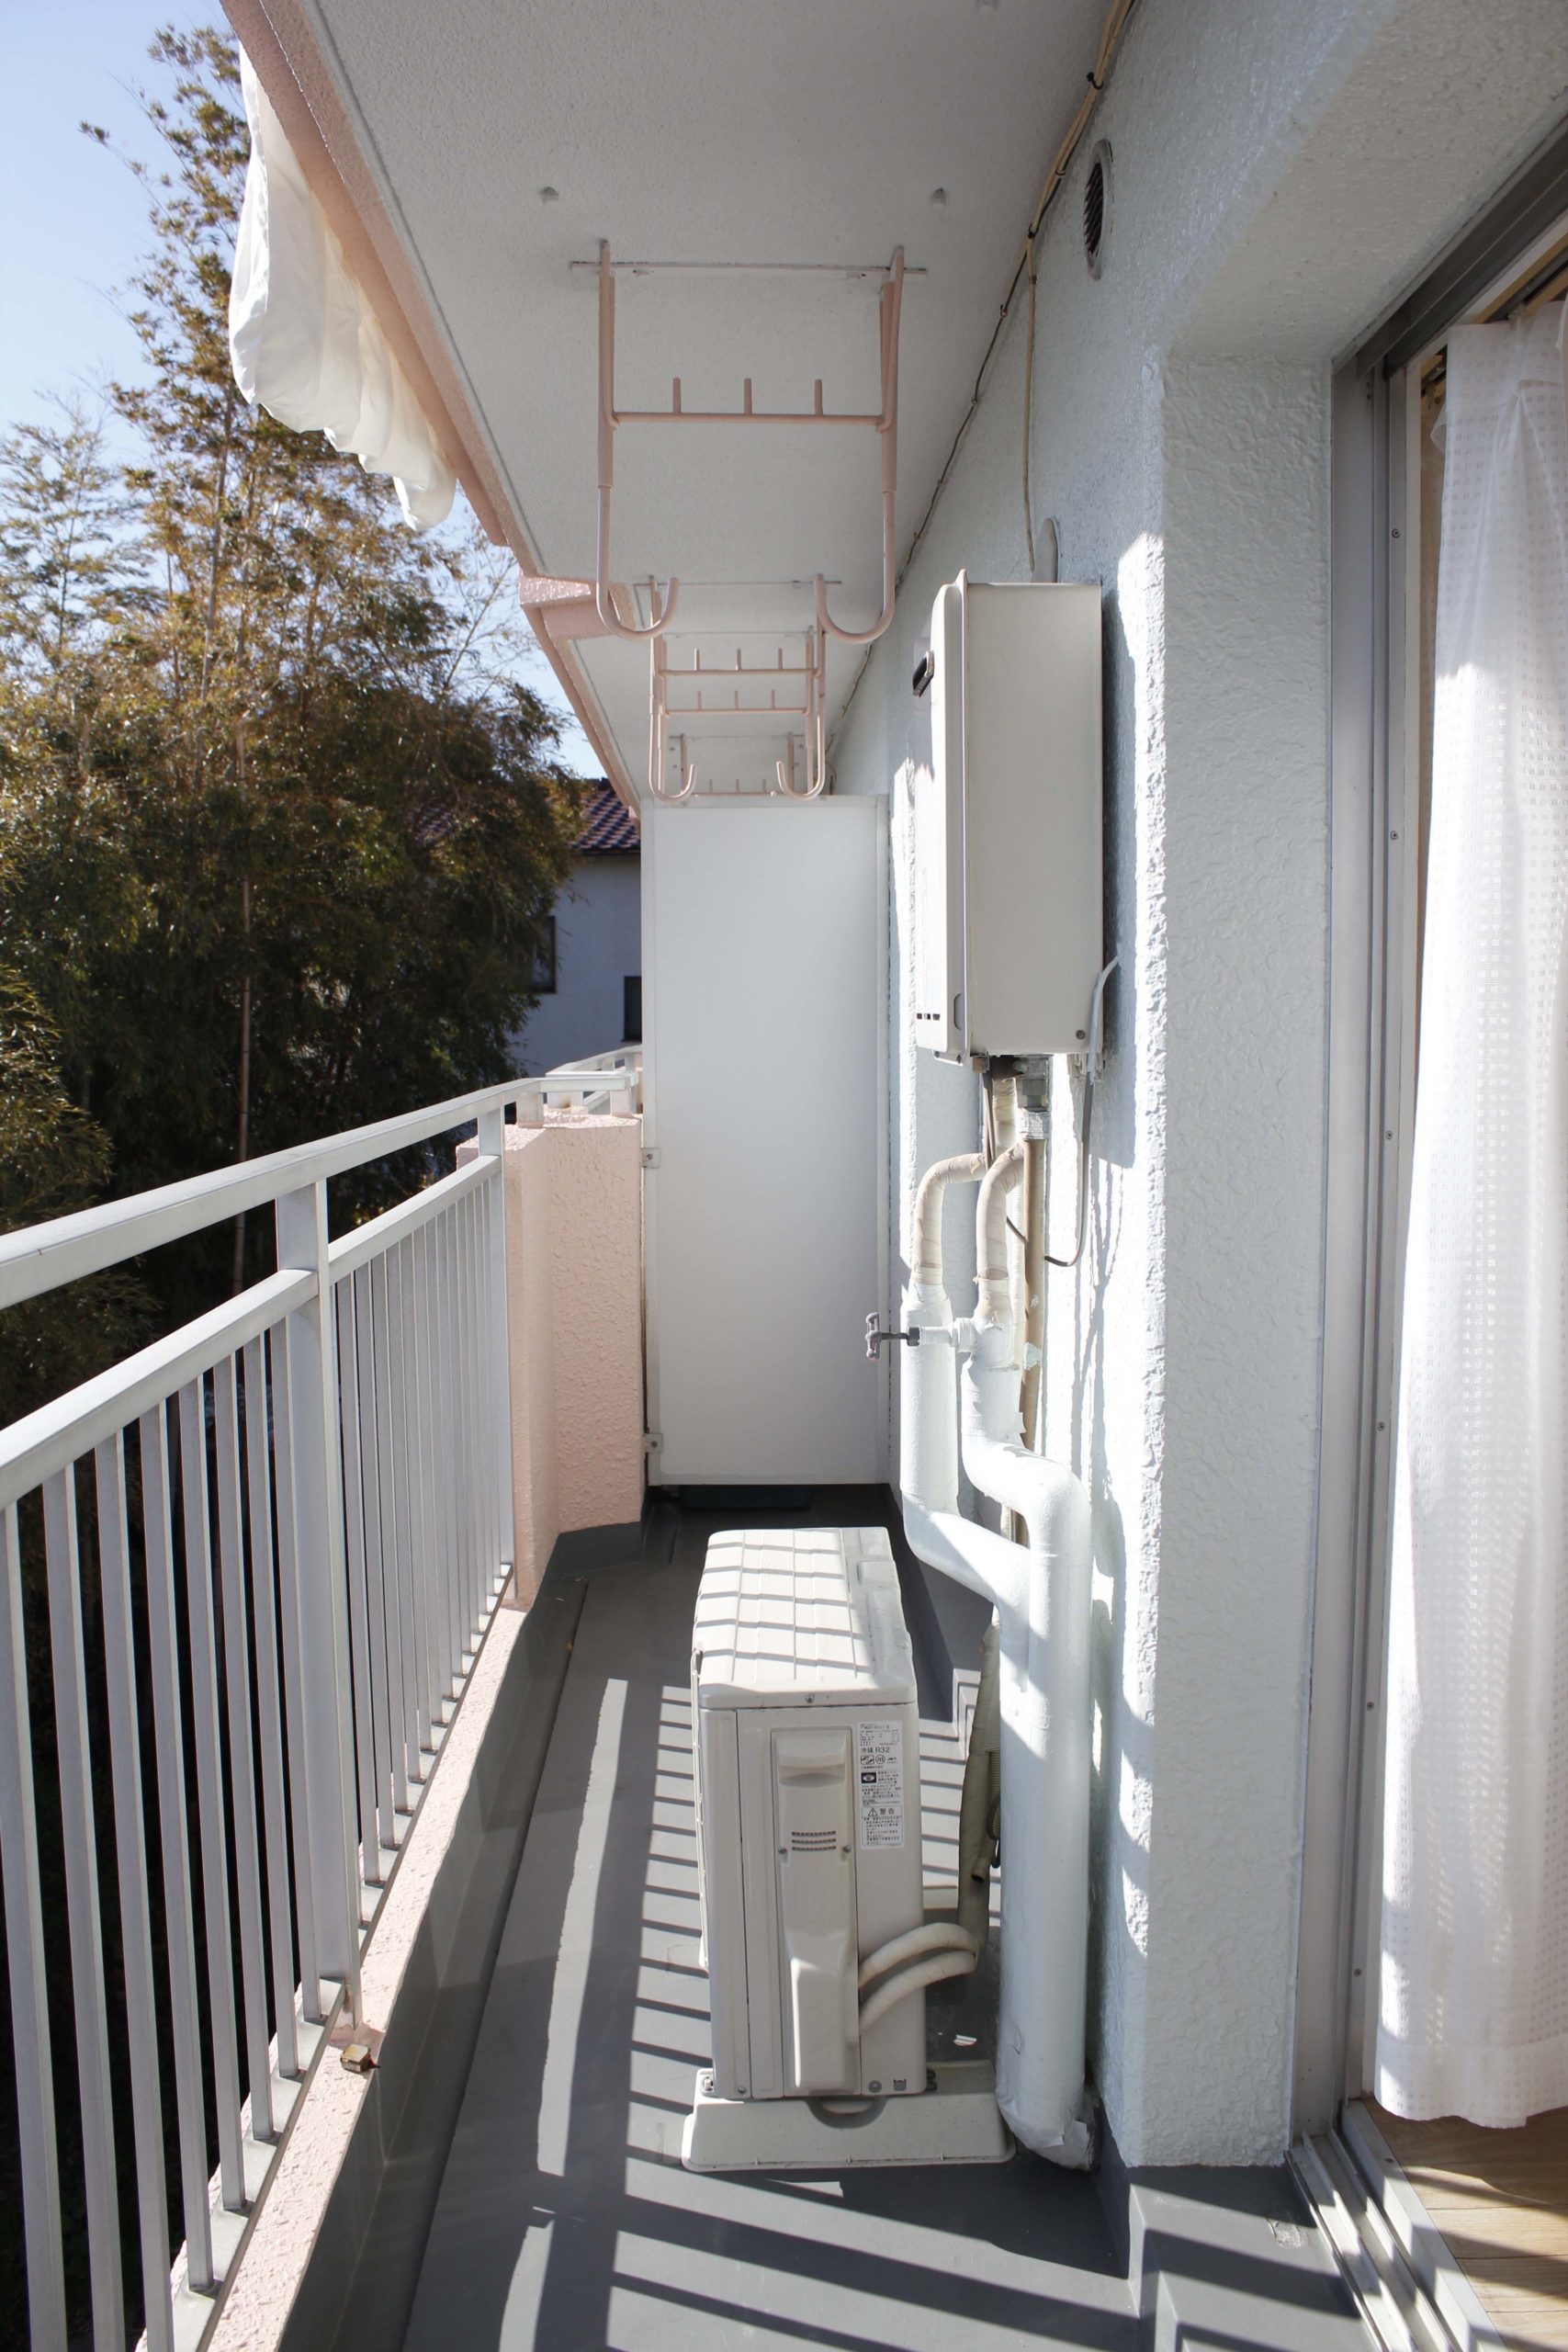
(806, 1739)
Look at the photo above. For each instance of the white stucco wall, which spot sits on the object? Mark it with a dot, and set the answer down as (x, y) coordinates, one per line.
(598, 942)
(1280, 173)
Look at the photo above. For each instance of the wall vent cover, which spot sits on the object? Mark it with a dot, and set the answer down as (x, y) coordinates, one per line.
(1097, 208)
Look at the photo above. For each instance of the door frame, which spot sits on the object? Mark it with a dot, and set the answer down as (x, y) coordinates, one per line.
(1371, 1095)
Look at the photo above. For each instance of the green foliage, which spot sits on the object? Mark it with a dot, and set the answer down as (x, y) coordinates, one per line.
(54, 1158)
(279, 828)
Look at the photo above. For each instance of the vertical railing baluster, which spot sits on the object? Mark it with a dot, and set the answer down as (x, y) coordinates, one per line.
(359, 1602)
(376, 1599)
(302, 1828)
(443, 1428)
(491, 1133)
(452, 1421)
(441, 1336)
(439, 1566)
(461, 1529)
(451, 1582)
(405, 1522)
(168, 1730)
(462, 1550)
(474, 1498)
(322, 1591)
(495, 1452)
(210, 1808)
(135, 1914)
(89, 1999)
(443, 1471)
(29, 1970)
(481, 1458)
(391, 1522)
(269, 1710)
(423, 1409)
(241, 1746)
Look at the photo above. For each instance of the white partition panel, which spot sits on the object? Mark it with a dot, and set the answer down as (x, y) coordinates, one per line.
(764, 950)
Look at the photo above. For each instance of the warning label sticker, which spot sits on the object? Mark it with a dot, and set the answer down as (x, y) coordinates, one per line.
(881, 1769)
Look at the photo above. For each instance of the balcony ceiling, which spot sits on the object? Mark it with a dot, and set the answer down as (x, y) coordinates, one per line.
(750, 131)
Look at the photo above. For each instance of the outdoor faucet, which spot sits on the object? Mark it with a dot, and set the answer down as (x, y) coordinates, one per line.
(876, 1338)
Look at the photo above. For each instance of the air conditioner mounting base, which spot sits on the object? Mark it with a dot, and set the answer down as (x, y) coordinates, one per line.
(955, 2121)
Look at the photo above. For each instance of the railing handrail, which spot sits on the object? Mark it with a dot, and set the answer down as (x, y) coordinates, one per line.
(42, 1442)
(614, 1057)
(310, 1488)
(40, 1258)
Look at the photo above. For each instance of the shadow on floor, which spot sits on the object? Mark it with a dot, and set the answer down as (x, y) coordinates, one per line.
(564, 2222)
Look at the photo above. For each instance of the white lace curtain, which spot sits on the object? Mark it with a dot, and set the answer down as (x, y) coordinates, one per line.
(1473, 1996)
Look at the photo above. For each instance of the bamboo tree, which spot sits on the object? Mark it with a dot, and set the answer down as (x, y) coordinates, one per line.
(280, 825)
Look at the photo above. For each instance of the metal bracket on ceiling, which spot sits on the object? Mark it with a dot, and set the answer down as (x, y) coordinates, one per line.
(855, 272)
(884, 421)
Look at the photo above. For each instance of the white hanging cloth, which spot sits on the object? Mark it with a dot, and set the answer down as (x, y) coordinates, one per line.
(1473, 1991)
(304, 340)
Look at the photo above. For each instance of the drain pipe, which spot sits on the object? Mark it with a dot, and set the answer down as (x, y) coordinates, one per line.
(1036, 1102)
(1041, 1593)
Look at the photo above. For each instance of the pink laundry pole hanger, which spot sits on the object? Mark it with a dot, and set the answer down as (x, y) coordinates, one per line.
(884, 421)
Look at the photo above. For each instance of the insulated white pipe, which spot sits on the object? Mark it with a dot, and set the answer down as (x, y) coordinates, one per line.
(931, 1971)
(1041, 1591)
(1046, 1737)
(936, 1934)
(925, 1258)
(992, 1273)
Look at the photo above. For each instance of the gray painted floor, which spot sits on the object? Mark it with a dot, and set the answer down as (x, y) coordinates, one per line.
(565, 2222)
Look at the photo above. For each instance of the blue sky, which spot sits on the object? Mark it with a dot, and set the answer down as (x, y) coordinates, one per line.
(71, 218)
(72, 225)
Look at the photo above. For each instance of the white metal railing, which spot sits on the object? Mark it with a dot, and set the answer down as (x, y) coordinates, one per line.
(623, 1065)
(258, 1557)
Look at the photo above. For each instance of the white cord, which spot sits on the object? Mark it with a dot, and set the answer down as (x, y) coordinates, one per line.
(1091, 1063)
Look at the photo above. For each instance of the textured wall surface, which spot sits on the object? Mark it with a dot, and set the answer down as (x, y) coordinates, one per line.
(574, 1283)
(1280, 176)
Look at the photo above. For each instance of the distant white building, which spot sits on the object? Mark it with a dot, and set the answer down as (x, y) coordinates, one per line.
(591, 978)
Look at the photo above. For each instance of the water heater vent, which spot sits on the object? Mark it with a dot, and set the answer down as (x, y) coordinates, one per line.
(1097, 208)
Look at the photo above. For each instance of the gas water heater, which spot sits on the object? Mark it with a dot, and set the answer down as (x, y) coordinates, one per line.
(1008, 823)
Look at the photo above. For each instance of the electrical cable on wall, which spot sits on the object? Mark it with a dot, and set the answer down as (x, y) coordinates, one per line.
(1092, 1058)
(1029, 408)
(1110, 40)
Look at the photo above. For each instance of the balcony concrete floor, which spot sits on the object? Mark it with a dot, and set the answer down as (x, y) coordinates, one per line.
(564, 2222)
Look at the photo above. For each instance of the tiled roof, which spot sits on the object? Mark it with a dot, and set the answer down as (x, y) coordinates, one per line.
(610, 830)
